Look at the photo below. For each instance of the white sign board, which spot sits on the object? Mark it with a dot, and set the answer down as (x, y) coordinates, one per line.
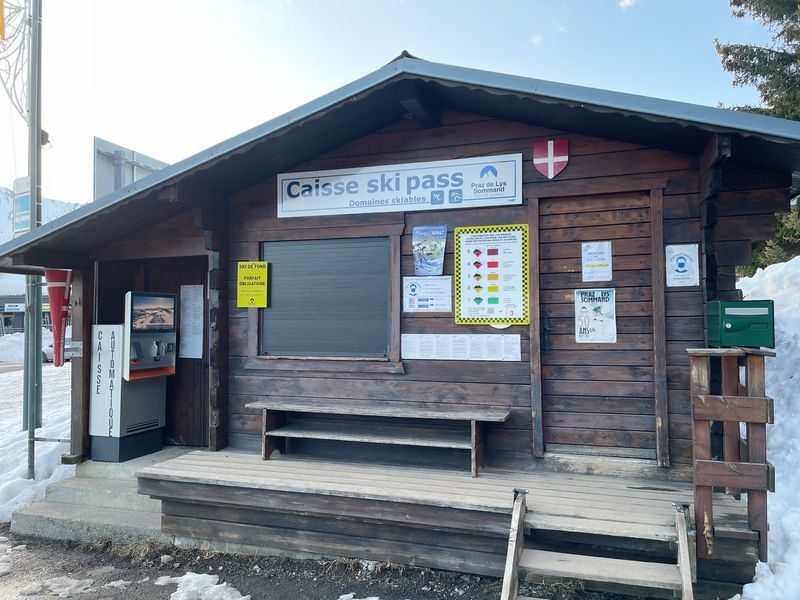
(17, 307)
(683, 265)
(446, 346)
(190, 344)
(595, 316)
(596, 261)
(106, 381)
(428, 294)
(439, 185)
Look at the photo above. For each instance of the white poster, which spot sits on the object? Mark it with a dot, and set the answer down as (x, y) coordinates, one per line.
(446, 346)
(492, 275)
(596, 261)
(438, 185)
(190, 344)
(683, 265)
(106, 383)
(595, 316)
(428, 294)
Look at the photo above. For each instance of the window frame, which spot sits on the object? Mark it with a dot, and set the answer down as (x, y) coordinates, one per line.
(353, 364)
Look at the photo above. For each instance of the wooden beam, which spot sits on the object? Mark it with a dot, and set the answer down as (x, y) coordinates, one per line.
(81, 302)
(659, 327)
(716, 152)
(537, 430)
(729, 409)
(516, 544)
(742, 475)
(420, 104)
(757, 453)
(699, 382)
(51, 260)
(684, 561)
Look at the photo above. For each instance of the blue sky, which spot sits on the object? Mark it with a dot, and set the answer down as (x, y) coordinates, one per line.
(170, 78)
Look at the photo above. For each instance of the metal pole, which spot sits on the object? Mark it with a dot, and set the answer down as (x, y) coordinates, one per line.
(33, 291)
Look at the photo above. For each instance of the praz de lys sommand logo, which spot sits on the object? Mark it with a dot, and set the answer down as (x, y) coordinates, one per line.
(681, 263)
(412, 288)
(489, 170)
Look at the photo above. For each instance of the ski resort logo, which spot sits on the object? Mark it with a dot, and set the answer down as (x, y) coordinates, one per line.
(551, 157)
(489, 170)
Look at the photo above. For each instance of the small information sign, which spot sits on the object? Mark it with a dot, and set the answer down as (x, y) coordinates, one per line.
(428, 294)
(683, 265)
(251, 284)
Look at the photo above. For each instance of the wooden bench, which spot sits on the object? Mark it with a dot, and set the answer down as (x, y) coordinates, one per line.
(276, 429)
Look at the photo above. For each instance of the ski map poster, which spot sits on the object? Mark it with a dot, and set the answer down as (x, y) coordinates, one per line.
(491, 275)
(595, 316)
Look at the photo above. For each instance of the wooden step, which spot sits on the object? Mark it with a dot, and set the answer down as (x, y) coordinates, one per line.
(540, 563)
(417, 436)
(648, 531)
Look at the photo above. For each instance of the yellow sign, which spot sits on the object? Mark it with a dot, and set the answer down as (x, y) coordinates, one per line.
(251, 285)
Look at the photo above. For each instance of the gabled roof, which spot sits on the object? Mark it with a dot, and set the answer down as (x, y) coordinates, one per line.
(373, 101)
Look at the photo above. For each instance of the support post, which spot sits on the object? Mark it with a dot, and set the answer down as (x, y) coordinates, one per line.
(700, 377)
(757, 452)
(33, 334)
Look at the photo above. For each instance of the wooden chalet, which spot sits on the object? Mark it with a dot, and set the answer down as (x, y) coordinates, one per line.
(378, 451)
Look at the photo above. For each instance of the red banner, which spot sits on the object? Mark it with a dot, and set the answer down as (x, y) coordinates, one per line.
(59, 284)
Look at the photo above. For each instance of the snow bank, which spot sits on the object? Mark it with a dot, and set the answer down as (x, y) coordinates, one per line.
(15, 490)
(201, 586)
(781, 579)
(12, 346)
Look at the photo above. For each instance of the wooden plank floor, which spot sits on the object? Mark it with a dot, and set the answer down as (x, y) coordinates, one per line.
(568, 502)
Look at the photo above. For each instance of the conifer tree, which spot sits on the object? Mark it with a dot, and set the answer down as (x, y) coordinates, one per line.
(775, 72)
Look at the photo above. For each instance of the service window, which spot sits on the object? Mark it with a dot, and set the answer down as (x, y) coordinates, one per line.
(327, 299)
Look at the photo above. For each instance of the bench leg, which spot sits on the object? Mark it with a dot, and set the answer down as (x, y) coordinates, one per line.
(477, 446)
(271, 420)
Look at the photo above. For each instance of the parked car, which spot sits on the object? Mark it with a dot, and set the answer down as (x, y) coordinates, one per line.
(47, 352)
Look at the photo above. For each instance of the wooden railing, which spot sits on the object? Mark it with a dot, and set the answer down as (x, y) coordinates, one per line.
(744, 465)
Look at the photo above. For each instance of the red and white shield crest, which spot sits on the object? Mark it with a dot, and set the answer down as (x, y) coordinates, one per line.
(551, 157)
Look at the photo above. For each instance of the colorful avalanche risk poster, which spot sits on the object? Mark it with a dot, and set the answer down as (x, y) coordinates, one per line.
(595, 316)
(491, 270)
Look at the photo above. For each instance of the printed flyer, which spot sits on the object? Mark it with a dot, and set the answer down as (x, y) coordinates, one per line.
(596, 261)
(428, 245)
(595, 316)
(491, 270)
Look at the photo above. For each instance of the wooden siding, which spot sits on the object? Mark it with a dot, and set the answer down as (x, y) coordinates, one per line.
(596, 165)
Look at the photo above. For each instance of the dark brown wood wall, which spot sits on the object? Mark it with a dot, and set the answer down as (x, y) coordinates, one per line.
(596, 166)
(186, 248)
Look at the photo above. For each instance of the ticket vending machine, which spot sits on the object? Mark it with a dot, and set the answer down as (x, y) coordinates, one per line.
(130, 364)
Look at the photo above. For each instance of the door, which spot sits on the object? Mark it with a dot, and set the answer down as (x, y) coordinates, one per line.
(597, 398)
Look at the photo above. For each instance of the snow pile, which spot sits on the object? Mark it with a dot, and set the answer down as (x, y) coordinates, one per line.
(781, 579)
(194, 586)
(15, 490)
(12, 349)
(63, 587)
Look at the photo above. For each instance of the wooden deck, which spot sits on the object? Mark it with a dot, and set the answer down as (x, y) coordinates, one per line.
(428, 517)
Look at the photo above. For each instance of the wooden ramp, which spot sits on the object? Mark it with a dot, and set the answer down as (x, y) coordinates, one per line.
(434, 517)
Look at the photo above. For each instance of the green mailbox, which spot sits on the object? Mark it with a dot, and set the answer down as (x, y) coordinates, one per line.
(746, 323)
